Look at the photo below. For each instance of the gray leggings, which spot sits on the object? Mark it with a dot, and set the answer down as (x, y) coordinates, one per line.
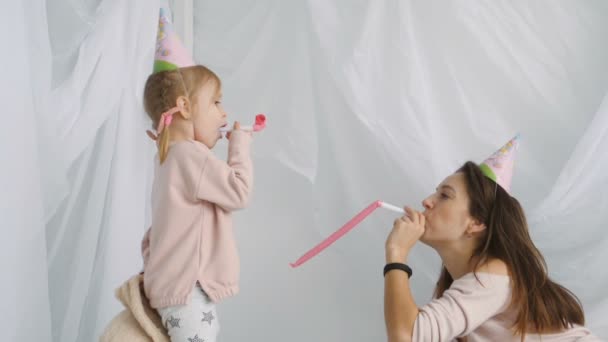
(194, 322)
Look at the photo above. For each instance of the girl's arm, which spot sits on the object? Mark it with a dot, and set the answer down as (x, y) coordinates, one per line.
(228, 184)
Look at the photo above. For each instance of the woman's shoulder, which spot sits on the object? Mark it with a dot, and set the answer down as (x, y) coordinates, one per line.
(490, 274)
(494, 267)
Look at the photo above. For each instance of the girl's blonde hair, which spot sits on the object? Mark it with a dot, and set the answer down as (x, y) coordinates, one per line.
(164, 88)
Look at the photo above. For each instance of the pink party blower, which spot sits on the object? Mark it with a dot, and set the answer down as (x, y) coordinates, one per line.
(345, 229)
(260, 124)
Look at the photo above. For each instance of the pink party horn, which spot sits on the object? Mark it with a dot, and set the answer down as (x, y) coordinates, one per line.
(343, 230)
(260, 124)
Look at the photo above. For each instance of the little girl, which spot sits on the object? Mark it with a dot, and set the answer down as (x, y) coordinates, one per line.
(190, 256)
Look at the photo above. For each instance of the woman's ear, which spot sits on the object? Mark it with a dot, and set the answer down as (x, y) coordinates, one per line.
(475, 227)
(184, 107)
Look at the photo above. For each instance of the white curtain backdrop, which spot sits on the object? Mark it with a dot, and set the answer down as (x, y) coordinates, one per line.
(365, 100)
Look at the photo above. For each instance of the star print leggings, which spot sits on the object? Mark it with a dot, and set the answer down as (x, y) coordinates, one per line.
(194, 322)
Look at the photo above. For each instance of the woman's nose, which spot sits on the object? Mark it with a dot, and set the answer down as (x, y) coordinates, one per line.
(427, 203)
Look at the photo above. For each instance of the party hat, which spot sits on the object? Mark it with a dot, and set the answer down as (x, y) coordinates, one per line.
(170, 52)
(499, 166)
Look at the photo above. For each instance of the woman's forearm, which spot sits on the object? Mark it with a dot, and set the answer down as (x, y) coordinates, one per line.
(400, 310)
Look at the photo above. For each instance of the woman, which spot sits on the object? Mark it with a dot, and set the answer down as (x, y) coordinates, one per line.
(494, 284)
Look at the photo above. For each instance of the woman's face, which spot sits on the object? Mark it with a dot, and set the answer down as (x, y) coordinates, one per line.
(447, 212)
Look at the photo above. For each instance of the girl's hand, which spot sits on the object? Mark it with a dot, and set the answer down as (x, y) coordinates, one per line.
(406, 231)
(236, 127)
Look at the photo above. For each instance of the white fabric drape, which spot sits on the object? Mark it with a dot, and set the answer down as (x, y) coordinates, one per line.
(365, 100)
(77, 155)
(22, 248)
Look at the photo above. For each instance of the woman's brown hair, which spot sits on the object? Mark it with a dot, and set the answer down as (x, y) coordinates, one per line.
(164, 88)
(542, 305)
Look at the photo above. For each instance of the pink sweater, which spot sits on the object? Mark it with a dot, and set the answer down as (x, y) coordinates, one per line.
(481, 313)
(191, 237)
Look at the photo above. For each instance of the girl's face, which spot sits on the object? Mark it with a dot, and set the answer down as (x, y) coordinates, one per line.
(208, 116)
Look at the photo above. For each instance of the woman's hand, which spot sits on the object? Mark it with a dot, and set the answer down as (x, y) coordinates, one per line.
(406, 231)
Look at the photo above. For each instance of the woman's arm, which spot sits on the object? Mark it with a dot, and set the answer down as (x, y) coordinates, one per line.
(400, 310)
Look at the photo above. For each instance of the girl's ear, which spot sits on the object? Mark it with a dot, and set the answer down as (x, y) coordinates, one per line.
(184, 107)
